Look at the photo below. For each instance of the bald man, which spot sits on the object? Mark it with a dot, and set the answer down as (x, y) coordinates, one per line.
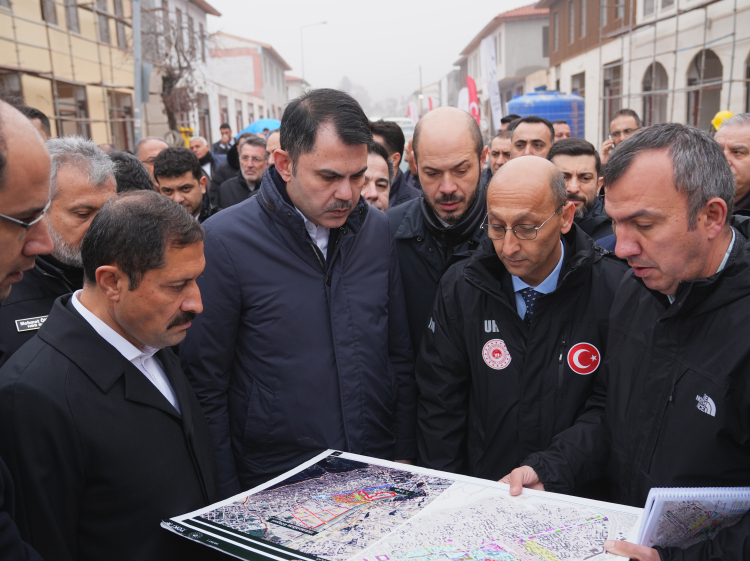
(517, 330)
(449, 154)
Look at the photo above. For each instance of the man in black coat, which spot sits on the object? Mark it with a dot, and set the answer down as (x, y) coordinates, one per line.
(81, 181)
(517, 330)
(672, 402)
(581, 167)
(98, 424)
(449, 153)
(24, 193)
(253, 163)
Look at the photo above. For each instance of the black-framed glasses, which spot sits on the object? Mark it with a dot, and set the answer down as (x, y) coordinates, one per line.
(522, 231)
(27, 225)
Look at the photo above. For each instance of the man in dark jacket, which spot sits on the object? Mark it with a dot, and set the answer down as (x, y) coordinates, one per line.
(82, 180)
(447, 218)
(24, 193)
(734, 139)
(671, 406)
(517, 330)
(178, 173)
(98, 424)
(303, 344)
(227, 141)
(581, 167)
(390, 136)
(253, 163)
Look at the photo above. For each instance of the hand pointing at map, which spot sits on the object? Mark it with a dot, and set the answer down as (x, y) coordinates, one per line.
(520, 478)
(631, 550)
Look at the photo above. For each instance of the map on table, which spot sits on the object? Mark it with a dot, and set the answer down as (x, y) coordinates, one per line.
(344, 507)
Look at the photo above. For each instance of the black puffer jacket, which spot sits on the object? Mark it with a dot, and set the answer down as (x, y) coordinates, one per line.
(492, 389)
(672, 404)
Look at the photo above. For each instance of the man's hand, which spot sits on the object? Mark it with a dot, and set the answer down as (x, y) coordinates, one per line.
(606, 148)
(520, 478)
(407, 462)
(635, 552)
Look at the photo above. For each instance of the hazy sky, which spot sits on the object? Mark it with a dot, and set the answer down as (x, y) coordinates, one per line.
(378, 45)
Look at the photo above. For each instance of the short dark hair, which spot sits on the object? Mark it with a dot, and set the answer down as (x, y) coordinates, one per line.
(509, 118)
(225, 126)
(379, 149)
(177, 161)
(304, 115)
(130, 173)
(629, 113)
(474, 131)
(392, 135)
(133, 231)
(575, 147)
(33, 113)
(560, 122)
(533, 119)
(699, 168)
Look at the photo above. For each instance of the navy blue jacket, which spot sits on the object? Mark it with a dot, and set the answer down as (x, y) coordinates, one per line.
(401, 191)
(295, 353)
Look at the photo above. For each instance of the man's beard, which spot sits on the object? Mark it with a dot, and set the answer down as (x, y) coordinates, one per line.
(586, 208)
(454, 219)
(63, 251)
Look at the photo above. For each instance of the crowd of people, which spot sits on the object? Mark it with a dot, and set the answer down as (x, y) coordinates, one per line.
(528, 309)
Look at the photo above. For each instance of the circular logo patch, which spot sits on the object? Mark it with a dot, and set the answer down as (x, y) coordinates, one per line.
(496, 354)
(584, 358)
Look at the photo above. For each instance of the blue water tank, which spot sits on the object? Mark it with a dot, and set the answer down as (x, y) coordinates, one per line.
(553, 106)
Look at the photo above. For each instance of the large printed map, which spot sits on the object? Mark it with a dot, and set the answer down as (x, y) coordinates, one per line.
(343, 507)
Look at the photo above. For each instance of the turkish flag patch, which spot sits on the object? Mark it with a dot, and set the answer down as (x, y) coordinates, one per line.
(584, 358)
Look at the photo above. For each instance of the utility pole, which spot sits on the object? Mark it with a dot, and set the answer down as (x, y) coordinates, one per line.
(138, 71)
(302, 49)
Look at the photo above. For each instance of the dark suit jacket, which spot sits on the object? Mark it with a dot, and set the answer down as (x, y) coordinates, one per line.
(98, 454)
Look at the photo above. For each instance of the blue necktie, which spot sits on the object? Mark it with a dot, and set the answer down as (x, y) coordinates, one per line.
(529, 296)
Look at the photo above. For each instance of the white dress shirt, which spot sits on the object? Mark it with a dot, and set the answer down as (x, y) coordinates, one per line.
(144, 360)
(545, 287)
(318, 234)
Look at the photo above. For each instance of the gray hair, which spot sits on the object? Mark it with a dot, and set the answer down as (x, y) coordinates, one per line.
(85, 156)
(699, 168)
(740, 120)
(143, 141)
(253, 141)
(201, 139)
(557, 185)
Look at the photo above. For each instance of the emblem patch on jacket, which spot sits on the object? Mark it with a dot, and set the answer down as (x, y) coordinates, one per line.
(584, 358)
(30, 324)
(706, 404)
(496, 354)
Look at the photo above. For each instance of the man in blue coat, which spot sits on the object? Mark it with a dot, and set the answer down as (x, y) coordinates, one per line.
(303, 344)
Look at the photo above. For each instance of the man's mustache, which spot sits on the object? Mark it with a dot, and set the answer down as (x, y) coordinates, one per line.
(339, 205)
(181, 319)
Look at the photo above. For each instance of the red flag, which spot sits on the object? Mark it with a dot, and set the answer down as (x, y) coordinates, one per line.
(473, 99)
(430, 100)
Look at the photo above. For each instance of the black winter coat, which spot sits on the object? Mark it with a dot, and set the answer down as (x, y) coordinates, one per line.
(424, 251)
(295, 352)
(12, 548)
(29, 303)
(98, 455)
(672, 404)
(401, 191)
(597, 223)
(235, 190)
(492, 389)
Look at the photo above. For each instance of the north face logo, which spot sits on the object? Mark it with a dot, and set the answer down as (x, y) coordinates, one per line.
(490, 326)
(706, 404)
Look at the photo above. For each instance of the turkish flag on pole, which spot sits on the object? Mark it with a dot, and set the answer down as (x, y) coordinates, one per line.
(473, 99)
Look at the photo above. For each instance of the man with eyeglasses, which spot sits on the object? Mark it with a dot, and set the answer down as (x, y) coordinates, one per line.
(146, 151)
(253, 164)
(517, 331)
(624, 124)
(24, 196)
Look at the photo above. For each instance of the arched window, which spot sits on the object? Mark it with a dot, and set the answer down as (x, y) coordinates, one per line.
(655, 87)
(704, 85)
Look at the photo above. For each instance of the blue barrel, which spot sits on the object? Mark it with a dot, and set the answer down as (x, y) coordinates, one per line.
(553, 106)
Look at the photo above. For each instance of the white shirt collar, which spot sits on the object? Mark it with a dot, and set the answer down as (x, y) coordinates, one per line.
(318, 234)
(547, 285)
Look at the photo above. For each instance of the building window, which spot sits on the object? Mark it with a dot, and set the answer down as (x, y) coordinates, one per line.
(612, 94)
(121, 119)
(499, 48)
(648, 7)
(71, 16)
(578, 84)
(101, 8)
(204, 117)
(620, 9)
(572, 22)
(667, 4)
(122, 39)
(5, 4)
(545, 41)
(179, 41)
(191, 36)
(603, 12)
(655, 103)
(238, 111)
(250, 114)
(72, 110)
(49, 12)
(203, 42)
(260, 111)
(10, 85)
(555, 30)
(704, 89)
(583, 18)
(224, 109)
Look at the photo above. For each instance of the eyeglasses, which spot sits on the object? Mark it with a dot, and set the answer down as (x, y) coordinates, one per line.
(522, 231)
(27, 225)
(626, 132)
(255, 159)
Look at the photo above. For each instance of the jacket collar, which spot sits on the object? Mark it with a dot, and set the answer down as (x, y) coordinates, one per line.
(68, 276)
(594, 218)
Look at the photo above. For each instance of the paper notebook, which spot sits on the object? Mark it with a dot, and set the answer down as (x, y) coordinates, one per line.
(681, 517)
